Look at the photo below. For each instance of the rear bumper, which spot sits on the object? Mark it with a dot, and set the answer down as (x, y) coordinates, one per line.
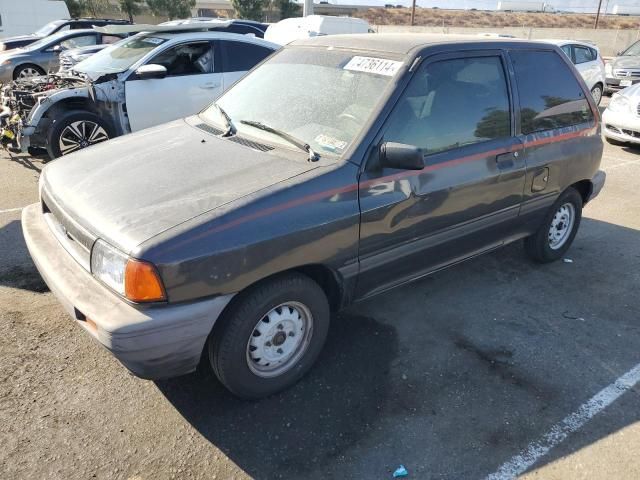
(152, 342)
(597, 182)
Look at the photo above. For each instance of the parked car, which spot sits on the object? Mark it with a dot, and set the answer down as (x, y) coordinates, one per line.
(296, 28)
(621, 119)
(624, 70)
(588, 61)
(69, 58)
(43, 56)
(56, 26)
(148, 79)
(242, 27)
(341, 167)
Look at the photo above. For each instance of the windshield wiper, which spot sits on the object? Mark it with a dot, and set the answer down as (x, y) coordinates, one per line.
(228, 123)
(313, 156)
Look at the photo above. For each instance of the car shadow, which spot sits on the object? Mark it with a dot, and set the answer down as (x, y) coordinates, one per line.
(451, 375)
(16, 268)
(29, 162)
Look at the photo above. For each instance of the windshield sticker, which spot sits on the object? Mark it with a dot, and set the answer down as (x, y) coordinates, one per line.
(153, 40)
(380, 66)
(330, 143)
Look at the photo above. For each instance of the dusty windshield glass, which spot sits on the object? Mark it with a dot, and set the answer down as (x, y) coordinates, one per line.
(633, 49)
(48, 28)
(120, 56)
(321, 97)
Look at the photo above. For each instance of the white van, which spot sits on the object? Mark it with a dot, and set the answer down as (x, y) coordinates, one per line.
(290, 29)
(22, 17)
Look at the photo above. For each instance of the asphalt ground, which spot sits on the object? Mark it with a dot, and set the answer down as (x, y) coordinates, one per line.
(497, 366)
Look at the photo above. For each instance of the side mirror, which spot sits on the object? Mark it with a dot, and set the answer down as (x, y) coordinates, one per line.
(147, 72)
(399, 155)
(55, 49)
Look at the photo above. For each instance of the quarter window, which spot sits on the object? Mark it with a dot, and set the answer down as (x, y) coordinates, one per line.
(80, 41)
(242, 56)
(186, 59)
(550, 95)
(453, 103)
(583, 54)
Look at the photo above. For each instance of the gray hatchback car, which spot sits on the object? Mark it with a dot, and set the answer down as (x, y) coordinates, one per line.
(339, 168)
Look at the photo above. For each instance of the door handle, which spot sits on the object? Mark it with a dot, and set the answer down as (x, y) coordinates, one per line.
(209, 86)
(504, 161)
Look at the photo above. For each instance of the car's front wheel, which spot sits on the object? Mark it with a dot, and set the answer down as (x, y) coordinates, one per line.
(270, 336)
(74, 130)
(24, 72)
(555, 235)
(596, 93)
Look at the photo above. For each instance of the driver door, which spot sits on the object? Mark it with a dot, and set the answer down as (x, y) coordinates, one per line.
(193, 81)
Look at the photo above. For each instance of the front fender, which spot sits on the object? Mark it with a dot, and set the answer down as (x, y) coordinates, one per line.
(45, 103)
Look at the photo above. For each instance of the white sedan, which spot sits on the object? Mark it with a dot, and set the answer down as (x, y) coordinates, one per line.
(621, 119)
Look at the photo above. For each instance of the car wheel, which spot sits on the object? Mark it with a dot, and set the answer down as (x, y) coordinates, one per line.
(596, 93)
(555, 235)
(270, 337)
(74, 130)
(27, 71)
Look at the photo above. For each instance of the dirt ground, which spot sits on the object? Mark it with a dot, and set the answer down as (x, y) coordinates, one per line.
(451, 376)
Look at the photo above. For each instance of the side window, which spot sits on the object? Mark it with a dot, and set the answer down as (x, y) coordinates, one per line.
(452, 103)
(80, 41)
(110, 39)
(550, 96)
(242, 56)
(186, 59)
(567, 50)
(583, 54)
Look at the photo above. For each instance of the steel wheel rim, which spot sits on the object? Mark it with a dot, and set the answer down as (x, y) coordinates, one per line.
(28, 73)
(280, 339)
(81, 134)
(597, 94)
(561, 226)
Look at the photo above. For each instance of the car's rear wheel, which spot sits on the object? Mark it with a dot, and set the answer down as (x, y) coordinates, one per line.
(270, 336)
(27, 71)
(74, 130)
(555, 235)
(596, 93)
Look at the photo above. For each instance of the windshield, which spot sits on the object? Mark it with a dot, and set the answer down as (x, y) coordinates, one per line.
(120, 56)
(45, 42)
(49, 28)
(633, 49)
(321, 97)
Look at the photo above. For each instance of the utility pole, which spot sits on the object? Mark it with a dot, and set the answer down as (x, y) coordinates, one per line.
(413, 13)
(308, 8)
(598, 15)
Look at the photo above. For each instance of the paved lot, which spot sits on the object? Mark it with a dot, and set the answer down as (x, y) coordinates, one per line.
(452, 376)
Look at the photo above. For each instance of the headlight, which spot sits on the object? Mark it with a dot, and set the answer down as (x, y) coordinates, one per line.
(134, 279)
(608, 69)
(619, 103)
(5, 62)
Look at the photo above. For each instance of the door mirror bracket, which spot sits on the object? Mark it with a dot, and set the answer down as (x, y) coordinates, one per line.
(401, 156)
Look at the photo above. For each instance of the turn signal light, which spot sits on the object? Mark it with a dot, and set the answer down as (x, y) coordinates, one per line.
(142, 282)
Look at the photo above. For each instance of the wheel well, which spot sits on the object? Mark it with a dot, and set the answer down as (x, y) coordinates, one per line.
(71, 104)
(328, 281)
(584, 188)
(601, 85)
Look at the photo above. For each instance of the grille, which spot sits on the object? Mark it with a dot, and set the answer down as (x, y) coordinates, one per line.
(638, 109)
(65, 63)
(631, 133)
(612, 128)
(239, 140)
(627, 73)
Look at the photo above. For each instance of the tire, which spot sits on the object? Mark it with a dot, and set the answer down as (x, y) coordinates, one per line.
(27, 70)
(74, 128)
(239, 357)
(596, 93)
(540, 246)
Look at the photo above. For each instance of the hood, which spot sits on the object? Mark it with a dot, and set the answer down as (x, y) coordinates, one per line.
(631, 61)
(631, 92)
(134, 187)
(21, 38)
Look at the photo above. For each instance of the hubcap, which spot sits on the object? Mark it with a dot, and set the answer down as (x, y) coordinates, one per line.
(28, 73)
(561, 226)
(597, 94)
(79, 135)
(279, 339)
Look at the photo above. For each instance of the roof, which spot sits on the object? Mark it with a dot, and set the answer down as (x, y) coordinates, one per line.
(185, 27)
(400, 43)
(561, 42)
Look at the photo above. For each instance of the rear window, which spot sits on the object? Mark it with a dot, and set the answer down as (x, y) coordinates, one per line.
(550, 95)
(242, 56)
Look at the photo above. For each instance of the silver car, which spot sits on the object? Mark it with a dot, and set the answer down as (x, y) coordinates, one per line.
(43, 56)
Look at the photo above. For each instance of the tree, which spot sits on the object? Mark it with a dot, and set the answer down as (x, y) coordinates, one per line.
(250, 9)
(288, 9)
(74, 7)
(94, 7)
(131, 7)
(172, 8)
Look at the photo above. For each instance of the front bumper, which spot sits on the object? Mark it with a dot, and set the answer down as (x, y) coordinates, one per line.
(153, 341)
(612, 84)
(621, 126)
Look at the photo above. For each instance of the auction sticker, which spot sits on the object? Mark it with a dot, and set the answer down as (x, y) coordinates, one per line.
(380, 66)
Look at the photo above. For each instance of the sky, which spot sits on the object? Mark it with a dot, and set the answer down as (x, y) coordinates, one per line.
(586, 6)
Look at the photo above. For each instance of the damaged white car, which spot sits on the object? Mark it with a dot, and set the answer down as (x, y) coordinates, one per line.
(148, 79)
